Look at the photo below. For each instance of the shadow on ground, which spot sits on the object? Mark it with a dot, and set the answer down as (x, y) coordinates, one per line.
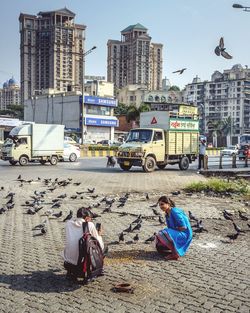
(39, 281)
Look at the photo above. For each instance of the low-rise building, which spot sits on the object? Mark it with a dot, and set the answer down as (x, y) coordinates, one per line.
(97, 113)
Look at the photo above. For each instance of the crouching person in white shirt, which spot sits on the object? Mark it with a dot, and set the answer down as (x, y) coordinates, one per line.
(74, 231)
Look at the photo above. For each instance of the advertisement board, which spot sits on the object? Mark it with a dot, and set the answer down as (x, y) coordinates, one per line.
(187, 110)
(108, 102)
(93, 121)
(185, 124)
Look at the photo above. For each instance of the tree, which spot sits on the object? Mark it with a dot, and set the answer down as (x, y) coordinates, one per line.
(133, 113)
(227, 126)
(121, 109)
(216, 128)
(16, 111)
(174, 88)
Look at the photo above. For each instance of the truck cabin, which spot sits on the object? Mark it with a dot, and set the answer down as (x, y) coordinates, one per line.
(16, 141)
(144, 135)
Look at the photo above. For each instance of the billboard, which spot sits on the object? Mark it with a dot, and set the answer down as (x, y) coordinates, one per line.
(108, 102)
(94, 121)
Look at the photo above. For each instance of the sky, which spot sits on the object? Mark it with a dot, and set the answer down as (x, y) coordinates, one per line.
(188, 29)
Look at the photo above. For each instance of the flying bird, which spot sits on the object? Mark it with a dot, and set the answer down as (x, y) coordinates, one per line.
(180, 71)
(220, 50)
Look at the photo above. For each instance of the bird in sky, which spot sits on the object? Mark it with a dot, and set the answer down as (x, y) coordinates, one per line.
(220, 50)
(180, 71)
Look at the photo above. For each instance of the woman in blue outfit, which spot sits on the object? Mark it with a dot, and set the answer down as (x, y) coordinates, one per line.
(178, 234)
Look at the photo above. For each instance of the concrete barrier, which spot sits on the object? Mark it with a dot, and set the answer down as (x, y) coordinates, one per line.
(97, 153)
(213, 152)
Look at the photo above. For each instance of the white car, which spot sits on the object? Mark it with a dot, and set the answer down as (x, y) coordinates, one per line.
(71, 152)
(229, 151)
(70, 140)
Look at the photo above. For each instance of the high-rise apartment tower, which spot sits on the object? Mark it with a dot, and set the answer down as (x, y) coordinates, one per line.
(51, 51)
(134, 59)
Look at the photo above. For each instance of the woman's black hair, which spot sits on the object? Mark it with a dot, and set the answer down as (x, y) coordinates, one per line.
(83, 213)
(167, 200)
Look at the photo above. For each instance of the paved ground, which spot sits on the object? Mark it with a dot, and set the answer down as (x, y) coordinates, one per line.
(212, 277)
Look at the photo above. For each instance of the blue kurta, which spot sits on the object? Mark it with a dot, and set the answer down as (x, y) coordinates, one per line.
(181, 239)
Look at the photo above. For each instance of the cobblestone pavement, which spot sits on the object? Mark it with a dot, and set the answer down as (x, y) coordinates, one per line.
(212, 277)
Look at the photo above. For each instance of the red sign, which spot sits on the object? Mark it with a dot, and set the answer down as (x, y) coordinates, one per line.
(154, 120)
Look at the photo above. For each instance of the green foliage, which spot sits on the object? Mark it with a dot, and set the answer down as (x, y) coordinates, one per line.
(16, 111)
(220, 186)
(121, 109)
(174, 88)
(133, 113)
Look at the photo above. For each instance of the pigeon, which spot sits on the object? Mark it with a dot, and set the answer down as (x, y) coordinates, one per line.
(62, 196)
(179, 71)
(161, 220)
(31, 211)
(39, 226)
(43, 230)
(77, 184)
(2, 210)
(109, 201)
(200, 228)
(192, 217)
(154, 205)
(107, 210)
(2, 188)
(121, 237)
(138, 220)
(69, 216)
(128, 230)
(242, 216)
(147, 196)
(56, 205)
(137, 227)
(155, 212)
(91, 190)
(175, 193)
(238, 229)
(227, 216)
(80, 192)
(220, 50)
(248, 225)
(150, 239)
(57, 215)
(19, 177)
(73, 197)
(94, 196)
(233, 237)
(136, 237)
(121, 205)
(11, 194)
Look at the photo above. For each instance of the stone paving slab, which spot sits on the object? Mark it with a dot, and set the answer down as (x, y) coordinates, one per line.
(212, 277)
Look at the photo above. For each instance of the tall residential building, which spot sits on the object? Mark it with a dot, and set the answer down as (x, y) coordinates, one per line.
(226, 95)
(134, 59)
(51, 51)
(9, 94)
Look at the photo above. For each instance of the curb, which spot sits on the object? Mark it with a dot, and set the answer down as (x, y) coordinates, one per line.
(97, 153)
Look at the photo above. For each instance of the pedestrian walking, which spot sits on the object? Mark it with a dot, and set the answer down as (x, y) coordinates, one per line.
(202, 153)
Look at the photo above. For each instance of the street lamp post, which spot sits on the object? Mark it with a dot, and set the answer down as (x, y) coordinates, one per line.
(82, 110)
(239, 6)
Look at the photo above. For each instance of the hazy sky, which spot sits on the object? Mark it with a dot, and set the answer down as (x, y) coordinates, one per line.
(188, 29)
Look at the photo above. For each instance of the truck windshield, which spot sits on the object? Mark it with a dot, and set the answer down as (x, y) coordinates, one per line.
(141, 135)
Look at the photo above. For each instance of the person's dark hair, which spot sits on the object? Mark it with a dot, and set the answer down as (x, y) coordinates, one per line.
(83, 213)
(167, 200)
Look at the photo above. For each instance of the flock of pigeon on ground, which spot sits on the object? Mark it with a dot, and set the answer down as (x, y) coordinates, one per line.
(106, 204)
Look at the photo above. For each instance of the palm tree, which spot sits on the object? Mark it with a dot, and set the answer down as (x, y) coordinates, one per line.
(216, 128)
(227, 127)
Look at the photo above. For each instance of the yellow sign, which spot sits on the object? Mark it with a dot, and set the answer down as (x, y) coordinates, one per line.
(187, 110)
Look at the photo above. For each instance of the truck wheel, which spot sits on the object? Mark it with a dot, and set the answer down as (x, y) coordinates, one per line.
(53, 160)
(149, 165)
(72, 157)
(23, 160)
(125, 167)
(161, 166)
(42, 162)
(12, 162)
(184, 163)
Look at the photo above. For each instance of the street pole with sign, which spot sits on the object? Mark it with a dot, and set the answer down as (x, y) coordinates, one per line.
(82, 111)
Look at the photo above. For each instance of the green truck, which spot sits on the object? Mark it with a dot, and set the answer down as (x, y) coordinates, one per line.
(163, 138)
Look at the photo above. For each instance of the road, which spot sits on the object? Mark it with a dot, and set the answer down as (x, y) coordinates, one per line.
(211, 277)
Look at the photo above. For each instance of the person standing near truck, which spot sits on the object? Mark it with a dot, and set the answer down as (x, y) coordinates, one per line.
(202, 153)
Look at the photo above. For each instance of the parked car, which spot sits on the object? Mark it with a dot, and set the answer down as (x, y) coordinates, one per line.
(244, 151)
(229, 151)
(70, 140)
(71, 153)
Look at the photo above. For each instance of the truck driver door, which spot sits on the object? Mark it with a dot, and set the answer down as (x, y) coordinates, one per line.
(158, 145)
